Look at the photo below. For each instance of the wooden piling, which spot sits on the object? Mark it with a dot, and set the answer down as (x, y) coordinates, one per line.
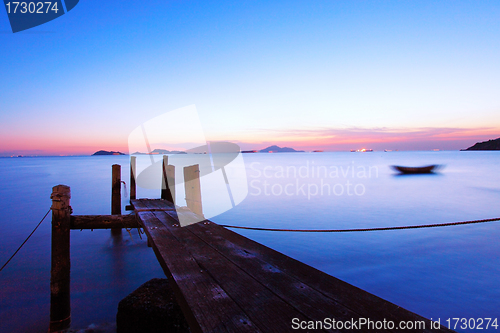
(170, 172)
(60, 308)
(193, 188)
(165, 192)
(116, 202)
(167, 179)
(133, 168)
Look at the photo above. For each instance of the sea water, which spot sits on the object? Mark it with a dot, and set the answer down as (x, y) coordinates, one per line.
(439, 273)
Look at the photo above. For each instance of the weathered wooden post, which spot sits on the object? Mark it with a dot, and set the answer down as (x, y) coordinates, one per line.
(116, 202)
(168, 177)
(133, 167)
(60, 307)
(170, 172)
(193, 188)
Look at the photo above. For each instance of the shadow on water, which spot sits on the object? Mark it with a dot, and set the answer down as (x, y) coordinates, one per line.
(418, 175)
(118, 260)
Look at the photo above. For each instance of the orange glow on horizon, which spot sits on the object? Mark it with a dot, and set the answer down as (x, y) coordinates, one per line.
(54, 146)
(308, 140)
(357, 139)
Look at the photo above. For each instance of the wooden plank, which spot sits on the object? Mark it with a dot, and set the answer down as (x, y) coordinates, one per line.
(316, 295)
(103, 221)
(363, 303)
(147, 205)
(206, 306)
(193, 188)
(311, 303)
(267, 310)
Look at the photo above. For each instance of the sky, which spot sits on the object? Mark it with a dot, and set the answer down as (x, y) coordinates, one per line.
(330, 75)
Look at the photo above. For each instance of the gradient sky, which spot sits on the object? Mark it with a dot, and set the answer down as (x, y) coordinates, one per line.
(332, 75)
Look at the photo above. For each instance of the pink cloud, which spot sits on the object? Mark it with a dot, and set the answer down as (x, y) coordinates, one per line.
(375, 138)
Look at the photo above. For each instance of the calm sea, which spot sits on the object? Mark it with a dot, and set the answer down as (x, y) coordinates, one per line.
(440, 273)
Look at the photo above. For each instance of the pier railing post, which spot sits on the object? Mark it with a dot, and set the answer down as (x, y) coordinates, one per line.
(60, 307)
(170, 172)
(167, 179)
(116, 202)
(193, 188)
(133, 167)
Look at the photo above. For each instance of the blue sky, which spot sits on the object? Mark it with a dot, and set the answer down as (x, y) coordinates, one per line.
(332, 75)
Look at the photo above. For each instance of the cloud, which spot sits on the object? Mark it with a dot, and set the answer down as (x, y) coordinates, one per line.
(378, 138)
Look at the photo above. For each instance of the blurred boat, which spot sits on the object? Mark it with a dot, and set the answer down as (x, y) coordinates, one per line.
(414, 170)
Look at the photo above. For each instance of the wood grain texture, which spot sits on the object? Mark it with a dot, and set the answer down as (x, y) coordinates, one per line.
(60, 305)
(193, 188)
(267, 288)
(206, 306)
(116, 185)
(265, 308)
(103, 221)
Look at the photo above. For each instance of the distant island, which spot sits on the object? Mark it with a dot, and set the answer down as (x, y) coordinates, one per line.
(270, 149)
(164, 151)
(105, 152)
(485, 145)
(161, 152)
(276, 149)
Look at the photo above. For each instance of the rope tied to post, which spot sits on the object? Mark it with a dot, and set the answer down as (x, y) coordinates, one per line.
(124, 188)
(128, 230)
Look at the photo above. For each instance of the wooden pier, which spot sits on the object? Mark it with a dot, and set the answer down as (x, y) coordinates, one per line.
(225, 282)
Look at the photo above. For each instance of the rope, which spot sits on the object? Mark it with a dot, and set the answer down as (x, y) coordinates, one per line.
(366, 229)
(25, 240)
(124, 189)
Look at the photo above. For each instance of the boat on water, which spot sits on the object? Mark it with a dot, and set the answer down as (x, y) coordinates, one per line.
(414, 170)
